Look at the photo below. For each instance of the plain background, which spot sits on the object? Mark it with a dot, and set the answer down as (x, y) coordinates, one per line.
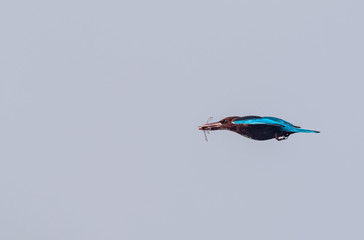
(100, 103)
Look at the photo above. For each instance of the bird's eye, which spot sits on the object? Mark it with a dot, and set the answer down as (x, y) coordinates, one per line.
(224, 121)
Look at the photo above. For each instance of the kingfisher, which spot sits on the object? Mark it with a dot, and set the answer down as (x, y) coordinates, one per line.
(255, 127)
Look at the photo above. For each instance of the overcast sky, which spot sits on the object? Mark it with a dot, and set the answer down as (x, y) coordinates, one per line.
(100, 103)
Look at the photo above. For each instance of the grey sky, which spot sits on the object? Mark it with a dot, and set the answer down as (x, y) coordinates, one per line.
(100, 102)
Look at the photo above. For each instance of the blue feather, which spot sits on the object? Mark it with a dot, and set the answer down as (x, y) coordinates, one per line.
(263, 120)
(279, 120)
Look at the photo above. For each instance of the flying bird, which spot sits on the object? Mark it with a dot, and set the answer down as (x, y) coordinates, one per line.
(255, 127)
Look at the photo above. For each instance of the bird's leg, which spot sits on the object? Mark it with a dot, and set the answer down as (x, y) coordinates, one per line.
(280, 138)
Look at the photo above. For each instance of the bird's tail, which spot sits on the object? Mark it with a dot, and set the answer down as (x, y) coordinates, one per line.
(296, 130)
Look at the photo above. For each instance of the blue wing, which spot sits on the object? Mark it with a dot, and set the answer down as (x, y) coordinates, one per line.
(280, 121)
(284, 125)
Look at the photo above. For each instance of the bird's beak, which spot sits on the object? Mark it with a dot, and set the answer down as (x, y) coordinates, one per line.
(210, 126)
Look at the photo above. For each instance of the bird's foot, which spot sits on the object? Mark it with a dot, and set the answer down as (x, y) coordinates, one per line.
(280, 138)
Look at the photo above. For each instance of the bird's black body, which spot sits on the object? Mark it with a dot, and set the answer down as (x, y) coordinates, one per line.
(255, 127)
(259, 132)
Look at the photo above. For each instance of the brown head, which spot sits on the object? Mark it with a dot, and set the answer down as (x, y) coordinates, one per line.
(223, 124)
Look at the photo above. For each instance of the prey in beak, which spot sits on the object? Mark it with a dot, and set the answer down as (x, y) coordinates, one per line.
(210, 126)
(206, 128)
(223, 124)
